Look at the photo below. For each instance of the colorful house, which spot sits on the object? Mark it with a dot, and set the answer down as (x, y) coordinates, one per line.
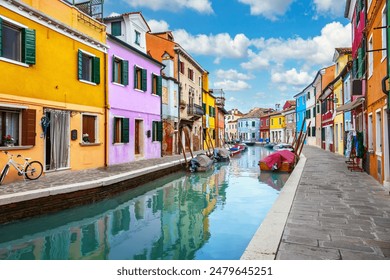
(289, 116)
(220, 114)
(300, 111)
(321, 81)
(264, 128)
(277, 127)
(310, 95)
(209, 131)
(51, 101)
(231, 124)
(249, 125)
(161, 47)
(343, 61)
(135, 90)
(376, 99)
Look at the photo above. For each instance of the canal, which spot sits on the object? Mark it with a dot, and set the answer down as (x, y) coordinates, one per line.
(195, 216)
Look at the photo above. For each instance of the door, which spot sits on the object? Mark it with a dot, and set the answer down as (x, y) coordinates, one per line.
(57, 138)
(138, 137)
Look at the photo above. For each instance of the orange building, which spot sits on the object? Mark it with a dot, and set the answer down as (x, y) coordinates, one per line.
(377, 140)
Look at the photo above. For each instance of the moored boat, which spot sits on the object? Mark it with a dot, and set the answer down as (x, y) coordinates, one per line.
(200, 163)
(283, 160)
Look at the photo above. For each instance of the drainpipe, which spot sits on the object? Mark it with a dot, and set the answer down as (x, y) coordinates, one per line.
(388, 70)
(106, 108)
(178, 107)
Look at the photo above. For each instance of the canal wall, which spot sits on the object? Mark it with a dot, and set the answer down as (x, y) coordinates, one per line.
(48, 196)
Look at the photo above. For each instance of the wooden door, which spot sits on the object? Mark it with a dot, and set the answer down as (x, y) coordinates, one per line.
(137, 137)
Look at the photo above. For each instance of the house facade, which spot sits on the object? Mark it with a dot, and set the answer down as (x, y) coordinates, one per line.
(310, 95)
(220, 114)
(161, 47)
(300, 111)
(209, 129)
(46, 114)
(231, 124)
(277, 127)
(135, 90)
(376, 99)
(264, 128)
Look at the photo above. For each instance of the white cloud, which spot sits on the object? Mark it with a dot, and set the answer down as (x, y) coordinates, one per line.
(333, 7)
(318, 50)
(201, 6)
(291, 77)
(229, 85)
(220, 45)
(232, 74)
(270, 9)
(158, 26)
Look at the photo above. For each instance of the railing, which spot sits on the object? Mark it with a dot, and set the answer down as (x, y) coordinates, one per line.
(195, 110)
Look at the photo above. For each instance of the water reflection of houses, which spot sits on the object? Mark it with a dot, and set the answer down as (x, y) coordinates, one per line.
(170, 222)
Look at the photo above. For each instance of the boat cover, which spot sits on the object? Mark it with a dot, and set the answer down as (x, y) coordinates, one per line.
(278, 157)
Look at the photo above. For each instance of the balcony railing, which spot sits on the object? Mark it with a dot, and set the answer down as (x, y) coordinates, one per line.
(195, 110)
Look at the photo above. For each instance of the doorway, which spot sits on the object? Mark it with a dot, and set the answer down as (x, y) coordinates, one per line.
(138, 137)
(57, 138)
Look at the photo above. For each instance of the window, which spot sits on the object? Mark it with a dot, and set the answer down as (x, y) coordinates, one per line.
(308, 95)
(89, 129)
(116, 28)
(156, 84)
(261, 123)
(267, 122)
(18, 125)
(190, 74)
(181, 67)
(140, 79)
(280, 120)
(318, 108)
(17, 42)
(383, 31)
(88, 67)
(120, 71)
(272, 121)
(157, 131)
(137, 40)
(370, 134)
(121, 130)
(313, 131)
(253, 123)
(370, 58)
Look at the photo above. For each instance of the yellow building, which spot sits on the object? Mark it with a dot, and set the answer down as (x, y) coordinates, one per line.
(277, 128)
(54, 100)
(341, 58)
(209, 115)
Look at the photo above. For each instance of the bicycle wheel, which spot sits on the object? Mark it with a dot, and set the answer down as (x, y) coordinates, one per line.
(33, 170)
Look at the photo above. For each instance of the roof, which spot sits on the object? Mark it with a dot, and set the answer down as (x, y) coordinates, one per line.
(121, 16)
(257, 113)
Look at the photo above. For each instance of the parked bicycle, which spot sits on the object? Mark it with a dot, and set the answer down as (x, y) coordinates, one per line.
(31, 170)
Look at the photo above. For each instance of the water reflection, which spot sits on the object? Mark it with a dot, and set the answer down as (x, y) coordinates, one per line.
(182, 216)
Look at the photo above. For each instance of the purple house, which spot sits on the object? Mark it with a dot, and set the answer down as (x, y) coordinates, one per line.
(134, 92)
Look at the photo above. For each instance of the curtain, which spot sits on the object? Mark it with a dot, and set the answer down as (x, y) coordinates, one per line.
(59, 135)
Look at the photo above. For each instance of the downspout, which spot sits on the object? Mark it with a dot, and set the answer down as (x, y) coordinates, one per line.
(161, 114)
(388, 70)
(106, 108)
(178, 107)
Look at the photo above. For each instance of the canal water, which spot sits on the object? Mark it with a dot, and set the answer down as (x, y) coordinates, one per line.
(209, 215)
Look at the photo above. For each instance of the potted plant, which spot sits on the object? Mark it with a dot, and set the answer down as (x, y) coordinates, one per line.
(8, 140)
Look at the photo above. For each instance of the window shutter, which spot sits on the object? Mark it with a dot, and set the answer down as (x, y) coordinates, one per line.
(125, 130)
(29, 46)
(28, 127)
(144, 80)
(114, 140)
(159, 131)
(125, 72)
(96, 70)
(113, 69)
(159, 85)
(1, 37)
(80, 65)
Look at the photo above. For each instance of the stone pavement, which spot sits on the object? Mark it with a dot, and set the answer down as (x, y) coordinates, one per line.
(336, 214)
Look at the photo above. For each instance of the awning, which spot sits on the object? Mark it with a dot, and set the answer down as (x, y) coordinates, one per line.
(351, 105)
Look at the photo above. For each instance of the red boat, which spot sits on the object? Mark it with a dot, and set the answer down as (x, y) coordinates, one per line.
(282, 160)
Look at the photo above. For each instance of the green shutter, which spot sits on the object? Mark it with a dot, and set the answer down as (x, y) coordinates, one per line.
(1, 34)
(204, 108)
(135, 76)
(115, 128)
(29, 46)
(125, 72)
(80, 65)
(144, 85)
(96, 70)
(159, 85)
(125, 130)
(159, 131)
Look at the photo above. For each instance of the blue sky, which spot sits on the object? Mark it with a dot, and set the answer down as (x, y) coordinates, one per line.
(260, 52)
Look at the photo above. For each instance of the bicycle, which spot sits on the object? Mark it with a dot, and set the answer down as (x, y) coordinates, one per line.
(31, 170)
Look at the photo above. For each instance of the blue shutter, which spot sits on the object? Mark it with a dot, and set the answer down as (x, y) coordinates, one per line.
(29, 46)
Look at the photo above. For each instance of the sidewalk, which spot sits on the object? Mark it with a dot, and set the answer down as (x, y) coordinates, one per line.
(335, 214)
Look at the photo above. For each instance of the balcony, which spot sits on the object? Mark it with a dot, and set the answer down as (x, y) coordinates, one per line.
(195, 111)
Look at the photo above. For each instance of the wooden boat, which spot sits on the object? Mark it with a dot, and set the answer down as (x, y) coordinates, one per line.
(201, 163)
(283, 146)
(241, 147)
(249, 143)
(221, 155)
(283, 161)
(234, 151)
